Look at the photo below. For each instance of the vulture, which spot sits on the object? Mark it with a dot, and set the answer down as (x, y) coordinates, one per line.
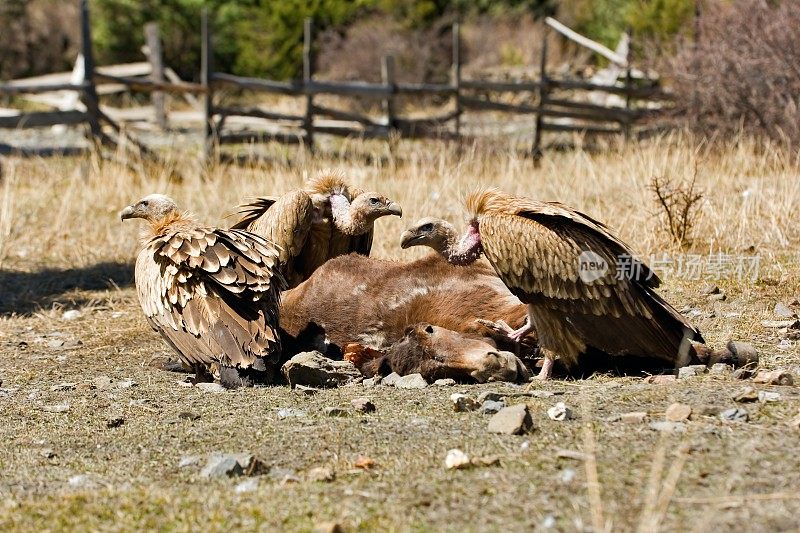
(584, 288)
(434, 233)
(212, 294)
(325, 219)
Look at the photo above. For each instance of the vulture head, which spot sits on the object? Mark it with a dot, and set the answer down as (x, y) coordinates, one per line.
(153, 208)
(432, 232)
(358, 216)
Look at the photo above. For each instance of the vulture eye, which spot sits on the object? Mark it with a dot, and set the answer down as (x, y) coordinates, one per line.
(426, 227)
(144, 203)
(428, 329)
(374, 201)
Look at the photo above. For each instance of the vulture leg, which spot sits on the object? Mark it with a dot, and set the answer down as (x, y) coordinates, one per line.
(201, 374)
(547, 365)
(518, 334)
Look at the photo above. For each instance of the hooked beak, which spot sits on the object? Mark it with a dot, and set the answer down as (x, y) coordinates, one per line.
(395, 209)
(126, 213)
(407, 239)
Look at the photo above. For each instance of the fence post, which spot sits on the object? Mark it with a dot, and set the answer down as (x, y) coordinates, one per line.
(90, 99)
(387, 75)
(154, 54)
(206, 78)
(543, 90)
(456, 74)
(308, 74)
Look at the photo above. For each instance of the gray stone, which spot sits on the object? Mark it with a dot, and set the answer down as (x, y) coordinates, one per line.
(559, 412)
(687, 372)
(391, 379)
(783, 311)
(678, 412)
(490, 407)
(290, 412)
(189, 460)
(719, 369)
(57, 408)
(767, 396)
(216, 388)
(446, 382)
(567, 475)
(411, 381)
(490, 396)
(634, 417)
(667, 426)
(363, 405)
(219, 466)
(512, 420)
(62, 387)
(336, 412)
(315, 370)
(371, 382)
(463, 403)
(735, 414)
(308, 391)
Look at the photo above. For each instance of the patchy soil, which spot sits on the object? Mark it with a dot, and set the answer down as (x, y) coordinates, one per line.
(65, 465)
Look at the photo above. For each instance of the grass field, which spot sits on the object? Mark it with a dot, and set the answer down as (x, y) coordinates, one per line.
(62, 247)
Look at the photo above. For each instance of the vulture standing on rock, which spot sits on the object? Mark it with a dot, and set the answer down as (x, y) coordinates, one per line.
(212, 294)
(564, 265)
(325, 219)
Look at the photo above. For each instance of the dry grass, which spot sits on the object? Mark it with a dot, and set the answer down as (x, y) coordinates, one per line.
(61, 242)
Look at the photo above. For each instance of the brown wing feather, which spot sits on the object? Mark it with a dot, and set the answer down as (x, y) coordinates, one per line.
(225, 310)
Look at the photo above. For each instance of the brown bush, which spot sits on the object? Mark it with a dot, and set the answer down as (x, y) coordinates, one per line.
(742, 73)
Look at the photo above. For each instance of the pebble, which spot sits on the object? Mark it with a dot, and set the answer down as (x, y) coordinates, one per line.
(767, 396)
(62, 387)
(634, 417)
(560, 412)
(446, 382)
(456, 459)
(391, 379)
(216, 388)
(782, 310)
(746, 395)
(490, 407)
(567, 475)
(371, 382)
(56, 408)
(512, 420)
(189, 460)
(687, 372)
(490, 396)
(678, 412)
(125, 384)
(660, 379)
(774, 377)
(322, 474)
(219, 466)
(363, 405)
(669, 427)
(290, 412)
(742, 373)
(101, 382)
(336, 412)
(315, 370)
(780, 324)
(72, 314)
(47, 453)
(115, 420)
(710, 289)
(463, 403)
(735, 414)
(718, 369)
(411, 381)
(248, 485)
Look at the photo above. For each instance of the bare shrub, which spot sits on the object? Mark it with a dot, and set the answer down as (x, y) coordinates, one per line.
(743, 71)
(678, 202)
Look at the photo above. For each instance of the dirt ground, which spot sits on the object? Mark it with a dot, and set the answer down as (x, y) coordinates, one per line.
(81, 452)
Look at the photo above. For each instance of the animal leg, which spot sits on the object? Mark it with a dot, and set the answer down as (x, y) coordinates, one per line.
(547, 365)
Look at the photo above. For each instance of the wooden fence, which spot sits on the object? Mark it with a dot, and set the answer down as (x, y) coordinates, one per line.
(561, 105)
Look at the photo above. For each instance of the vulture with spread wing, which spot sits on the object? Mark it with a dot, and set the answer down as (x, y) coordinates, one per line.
(212, 294)
(584, 287)
(325, 219)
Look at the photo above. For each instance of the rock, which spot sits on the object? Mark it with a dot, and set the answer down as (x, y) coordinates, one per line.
(719, 297)
(783, 311)
(308, 391)
(463, 403)
(188, 415)
(371, 382)
(363, 405)
(774, 377)
(742, 373)
(336, 412)
(490, 396)
(125, 384)
(56, 408)
(315, 370)
(290, 412)
(567, 475)
(446, 382)
(72, 314)
(634, 417)
(710, 289)
(456, 459)
(101, 382)
(216, 388)
(283, 475)
(219, 466)
(767, 396)
(411, 381)
(678, 412)
(328, 527)
(62, 387)
(248, 485)
(322, 474)
(719, 369)
(47, 453)
(115, 420)
(512, 420)
(189, 460)
(780, 324)
(490, 407)
(742, 354)
(735, 414)
(746, 395)
(391, 379)
(688, 372)
(559, 412)
(669, 427)
(660, 379)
